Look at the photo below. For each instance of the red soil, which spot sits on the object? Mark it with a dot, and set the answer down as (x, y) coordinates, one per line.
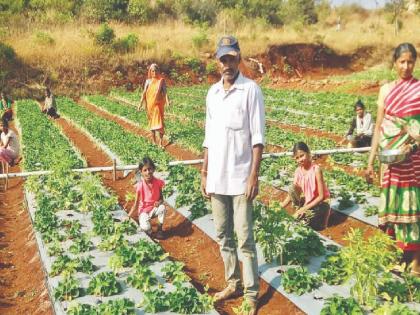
(22, 279)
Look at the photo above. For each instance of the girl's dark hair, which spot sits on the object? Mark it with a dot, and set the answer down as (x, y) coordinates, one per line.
(48, 91)
(359, 104)
(5, 123)
(402, 48)
(302, 146)
(146, 161)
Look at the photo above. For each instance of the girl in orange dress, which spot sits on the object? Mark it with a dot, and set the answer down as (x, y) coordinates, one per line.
(155, 98)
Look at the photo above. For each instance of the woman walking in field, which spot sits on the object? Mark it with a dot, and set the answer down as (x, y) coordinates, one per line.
(398, 127)
(155, 98)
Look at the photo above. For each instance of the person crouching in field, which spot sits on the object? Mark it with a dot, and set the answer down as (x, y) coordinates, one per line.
(309, 192)
(149, 199)
(361, 129)
(50, 106)
(9, 148)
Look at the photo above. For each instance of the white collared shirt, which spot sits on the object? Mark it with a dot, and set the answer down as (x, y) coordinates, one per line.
(13, 143)
(235, 122)
(364, 125)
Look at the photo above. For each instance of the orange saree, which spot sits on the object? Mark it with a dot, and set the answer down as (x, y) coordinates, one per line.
(155, 102)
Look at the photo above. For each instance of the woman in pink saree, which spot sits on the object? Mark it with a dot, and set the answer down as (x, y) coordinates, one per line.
(397, 127)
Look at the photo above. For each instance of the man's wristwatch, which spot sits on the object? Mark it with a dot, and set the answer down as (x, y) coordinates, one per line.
(414, 147)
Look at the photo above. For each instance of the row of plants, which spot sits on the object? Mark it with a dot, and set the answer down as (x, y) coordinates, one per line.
(349, 189)
(131, 148)
(75, 216)
(364, 264)
(183, 108)
(187, 135)
(297, 243)
(327, 111)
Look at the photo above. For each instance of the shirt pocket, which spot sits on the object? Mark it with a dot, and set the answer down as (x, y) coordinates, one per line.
(235, 117)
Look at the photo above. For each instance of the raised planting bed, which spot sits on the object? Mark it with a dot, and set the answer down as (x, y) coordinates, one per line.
(187, 177)
(357, 196)
(96, 262)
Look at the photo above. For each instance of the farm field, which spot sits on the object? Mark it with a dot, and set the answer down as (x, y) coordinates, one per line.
(97, 262)
(70, 236)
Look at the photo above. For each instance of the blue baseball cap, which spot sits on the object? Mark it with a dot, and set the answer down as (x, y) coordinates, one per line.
(228, 45)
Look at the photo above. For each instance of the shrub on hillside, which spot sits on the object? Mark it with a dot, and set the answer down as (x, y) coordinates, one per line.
(43, 38)
(141, 11)
(194, 64)
(105, 10)
(211, 67)
(200, 39)
(105, 35)
(299, 12)
(59, 7)
(7, 53)
(199, 11)
(126, 44)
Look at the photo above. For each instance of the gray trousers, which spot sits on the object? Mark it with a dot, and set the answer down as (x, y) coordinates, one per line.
(234, 213)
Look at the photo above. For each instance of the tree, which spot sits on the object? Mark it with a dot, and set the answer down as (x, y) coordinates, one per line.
(300, 11)
(105, 10)
(396, 7)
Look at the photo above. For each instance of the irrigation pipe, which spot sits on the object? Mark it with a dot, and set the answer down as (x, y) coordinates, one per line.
(115, 167)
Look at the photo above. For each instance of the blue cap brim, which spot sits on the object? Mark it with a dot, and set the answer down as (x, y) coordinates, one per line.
(226, 50)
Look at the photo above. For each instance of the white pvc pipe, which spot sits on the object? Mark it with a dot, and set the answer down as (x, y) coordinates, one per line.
(172, 163)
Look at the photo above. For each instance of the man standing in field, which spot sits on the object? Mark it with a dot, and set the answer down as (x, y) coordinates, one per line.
(233, 145)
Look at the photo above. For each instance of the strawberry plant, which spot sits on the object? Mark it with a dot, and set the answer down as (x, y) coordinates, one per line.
(333, 270)
(81, 244)
(103, 223)
(54, 248)
(337, 305)
(371, 210)
(148, 252)
(406, 289)
(111, 242)
(344, 200)
(188, 301)
(67, 289)
(299, 281)
(74, 230)
(173, 272)
(84, 264)
(294, 242)
(155, 301)
(124, 256)
(82, 309)
(118, 306)
(394, 308)
(63, 264)
(104, 284)
(142, 278)
(244, 308)
(126, 227)
(142, 252)
(187, 182)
